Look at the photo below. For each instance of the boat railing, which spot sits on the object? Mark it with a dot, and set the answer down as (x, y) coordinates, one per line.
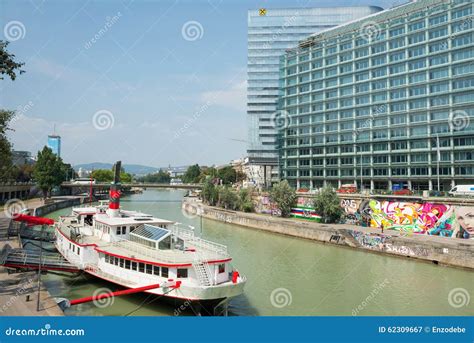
(203, 243)
(171, 256)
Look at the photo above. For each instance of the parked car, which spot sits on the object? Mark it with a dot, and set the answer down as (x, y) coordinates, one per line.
(404, 191)
(462, 190)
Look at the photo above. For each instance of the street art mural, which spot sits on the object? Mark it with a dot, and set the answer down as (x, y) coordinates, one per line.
(412, 218)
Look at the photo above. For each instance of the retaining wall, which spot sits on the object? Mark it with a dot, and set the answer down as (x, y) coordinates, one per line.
(440, 250)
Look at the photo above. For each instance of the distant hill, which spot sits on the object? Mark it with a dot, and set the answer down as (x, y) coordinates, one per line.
(136, 169)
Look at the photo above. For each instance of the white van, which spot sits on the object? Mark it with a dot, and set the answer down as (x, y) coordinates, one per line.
(462, 190)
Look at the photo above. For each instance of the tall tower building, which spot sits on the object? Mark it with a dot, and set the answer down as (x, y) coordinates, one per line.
(270, 33)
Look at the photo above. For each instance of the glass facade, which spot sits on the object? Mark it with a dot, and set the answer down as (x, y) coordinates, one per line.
(54, 143)
(270, 32)
(384, 101)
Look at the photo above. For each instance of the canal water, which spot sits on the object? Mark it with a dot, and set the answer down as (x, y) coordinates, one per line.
(289, 276)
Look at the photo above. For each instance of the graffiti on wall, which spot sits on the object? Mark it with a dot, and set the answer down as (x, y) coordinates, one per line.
(423, 218)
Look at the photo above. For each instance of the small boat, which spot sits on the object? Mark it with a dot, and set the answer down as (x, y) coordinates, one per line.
(134, 249)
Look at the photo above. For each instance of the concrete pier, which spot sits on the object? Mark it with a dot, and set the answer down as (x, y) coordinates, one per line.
(19, 291)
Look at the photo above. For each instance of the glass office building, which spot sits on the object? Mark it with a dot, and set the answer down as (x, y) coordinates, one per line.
(270, 32)
(54, 143)
(386, 101)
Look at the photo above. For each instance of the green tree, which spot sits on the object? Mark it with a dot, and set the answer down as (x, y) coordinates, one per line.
(227, 174)
(8, 66)
(6, 172)
(103, 175)
(283, 196)
(49, 171)
(245, 200)
(228, 199)
(160, 177)
(209, 193)
(327, 205)
(125, 177)
(192, 174)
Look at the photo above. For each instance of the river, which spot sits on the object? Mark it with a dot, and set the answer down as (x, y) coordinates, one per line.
(289, 276)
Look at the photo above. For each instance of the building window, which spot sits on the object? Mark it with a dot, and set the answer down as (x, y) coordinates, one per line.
(182, 273)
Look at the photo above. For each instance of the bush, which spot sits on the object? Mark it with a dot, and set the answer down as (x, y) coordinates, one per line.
(283, 196)
(228, 199)
(327, 205)
(245, 200)
(210, 193)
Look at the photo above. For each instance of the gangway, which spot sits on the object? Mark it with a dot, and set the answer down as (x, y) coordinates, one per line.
(32, 260)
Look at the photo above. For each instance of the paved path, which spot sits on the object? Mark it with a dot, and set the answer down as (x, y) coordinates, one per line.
(16, 287)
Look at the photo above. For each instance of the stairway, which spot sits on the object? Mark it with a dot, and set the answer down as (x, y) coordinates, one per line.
(203, 273)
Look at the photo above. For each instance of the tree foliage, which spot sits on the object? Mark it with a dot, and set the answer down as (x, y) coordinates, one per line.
(327, 205)
(228, 199)
(245, 200)
(107, 175)
(160, 177)
(227, 174)
(192, 174)
(49, 171)
(5, 146)
(210, 193)
(283, 196)
(8, 66)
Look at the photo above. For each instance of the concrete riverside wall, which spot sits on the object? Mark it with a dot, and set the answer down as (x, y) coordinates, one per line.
(56, 205)
(440, 250)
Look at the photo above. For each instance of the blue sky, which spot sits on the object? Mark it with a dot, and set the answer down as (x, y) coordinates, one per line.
(142, 90)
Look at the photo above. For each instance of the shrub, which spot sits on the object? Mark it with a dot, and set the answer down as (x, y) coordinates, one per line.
(327, 205)
(283, 196)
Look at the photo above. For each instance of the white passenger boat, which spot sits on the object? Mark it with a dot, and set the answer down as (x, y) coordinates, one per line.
(134, 250)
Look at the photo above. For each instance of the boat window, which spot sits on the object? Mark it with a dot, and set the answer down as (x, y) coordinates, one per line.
(165, 243)
(121, 262)
(127, 264)
(156, 270)
(78, 250)
(124, 230)
(106, 258)
(134, 265)
(141, 267)
(116, 261)
(119, 230)
(182, 273)
(164, 271)
(221, 268)
(73, 248)
(149, 269)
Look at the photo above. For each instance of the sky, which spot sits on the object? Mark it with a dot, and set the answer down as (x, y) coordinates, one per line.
(146, 82)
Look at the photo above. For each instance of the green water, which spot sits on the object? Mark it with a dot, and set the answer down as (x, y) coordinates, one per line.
(304, 277)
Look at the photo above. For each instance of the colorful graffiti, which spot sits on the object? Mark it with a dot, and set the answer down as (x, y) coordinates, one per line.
(423, 218)
(307, 213)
